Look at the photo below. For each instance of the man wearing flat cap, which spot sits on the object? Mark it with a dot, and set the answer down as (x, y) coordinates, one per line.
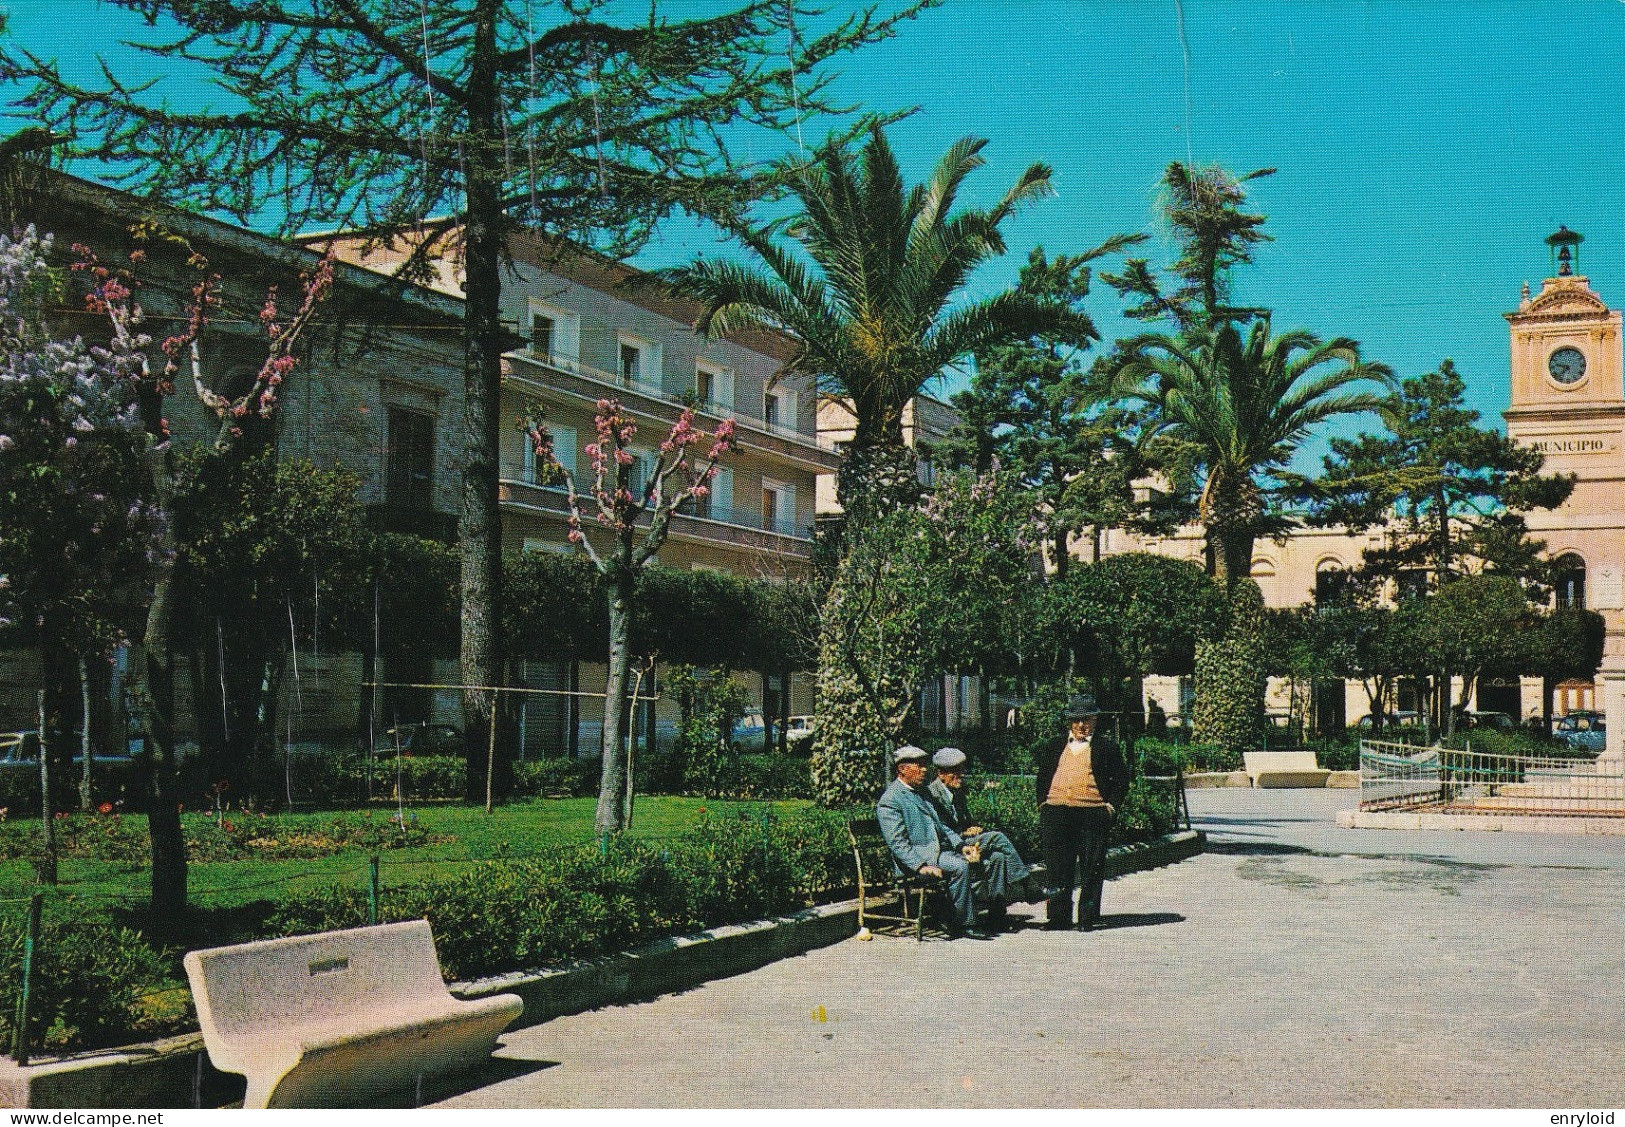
(1082, 780)
(923, 843)
(1000, 860)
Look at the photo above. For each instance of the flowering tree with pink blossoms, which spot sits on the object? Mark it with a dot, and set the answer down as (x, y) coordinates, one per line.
(128, 360)
(636, 516)
(76, 534)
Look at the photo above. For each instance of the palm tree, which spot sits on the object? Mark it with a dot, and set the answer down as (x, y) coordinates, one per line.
(1244, 404)
(868, 291)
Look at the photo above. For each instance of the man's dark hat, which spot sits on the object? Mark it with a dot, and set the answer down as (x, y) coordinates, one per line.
(1081, 707)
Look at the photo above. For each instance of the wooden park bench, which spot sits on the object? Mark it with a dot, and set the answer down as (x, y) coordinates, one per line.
(1284, 769)
(324, 1020)
(880, 879)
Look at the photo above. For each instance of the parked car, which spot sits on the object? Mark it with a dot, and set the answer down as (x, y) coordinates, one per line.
(799, 729)
(1582, 731)
(1498, 721)
(1391, 720)
(749, 727)
(19, 747)
(423, 738)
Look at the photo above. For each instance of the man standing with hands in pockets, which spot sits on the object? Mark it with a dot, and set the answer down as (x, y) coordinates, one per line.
(1082, 780)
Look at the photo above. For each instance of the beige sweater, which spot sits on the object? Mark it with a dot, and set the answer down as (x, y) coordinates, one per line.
(1074, 782)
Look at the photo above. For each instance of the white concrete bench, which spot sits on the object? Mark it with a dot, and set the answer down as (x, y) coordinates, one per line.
(1284, 769)
(324, 1020)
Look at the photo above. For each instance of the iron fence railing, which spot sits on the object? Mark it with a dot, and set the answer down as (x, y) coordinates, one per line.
(1395, 776)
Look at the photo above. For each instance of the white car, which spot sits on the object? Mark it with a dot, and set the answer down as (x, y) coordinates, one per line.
(800, 728)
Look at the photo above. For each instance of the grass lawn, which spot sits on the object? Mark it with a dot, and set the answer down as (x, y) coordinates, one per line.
(523, 829)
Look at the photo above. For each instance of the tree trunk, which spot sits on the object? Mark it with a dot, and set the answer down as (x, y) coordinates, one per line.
(1442, 547)
(1232, 555)
(1230, 511)
(62, 705)
(168, 902)
(87, 741)
(480, 526)
(612, 773)
(879, 472)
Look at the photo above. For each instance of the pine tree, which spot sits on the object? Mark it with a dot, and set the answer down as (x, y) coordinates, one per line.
(1036, 408)
(1450, 493)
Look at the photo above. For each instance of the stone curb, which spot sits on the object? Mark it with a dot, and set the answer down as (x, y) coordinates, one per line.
(175, 1073)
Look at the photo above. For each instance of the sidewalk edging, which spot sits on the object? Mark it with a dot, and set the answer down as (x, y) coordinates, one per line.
(175, 1073)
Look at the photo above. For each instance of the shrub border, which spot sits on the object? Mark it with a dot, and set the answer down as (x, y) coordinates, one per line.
(175, 1072)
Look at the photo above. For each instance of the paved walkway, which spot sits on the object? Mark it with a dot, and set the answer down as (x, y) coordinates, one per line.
(1294, 965)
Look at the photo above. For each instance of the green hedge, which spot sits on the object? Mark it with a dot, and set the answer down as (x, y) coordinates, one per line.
(342, 779)
(504, 916)
(95, 985)
(1162, 757)
(231, 835)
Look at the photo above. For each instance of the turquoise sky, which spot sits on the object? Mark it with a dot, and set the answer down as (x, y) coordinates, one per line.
(1425, 149)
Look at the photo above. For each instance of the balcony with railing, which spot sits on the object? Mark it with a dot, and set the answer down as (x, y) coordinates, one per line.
(592, 384)
(732, 526)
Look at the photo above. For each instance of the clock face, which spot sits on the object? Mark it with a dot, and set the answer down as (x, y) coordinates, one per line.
(1567, 365)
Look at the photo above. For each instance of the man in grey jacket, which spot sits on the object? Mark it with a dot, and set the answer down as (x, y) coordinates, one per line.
(922, 843)
(1000, 861)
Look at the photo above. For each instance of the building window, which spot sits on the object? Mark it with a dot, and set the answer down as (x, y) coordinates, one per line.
(713, 386)
(409, 462)
(639, 360)
(1411, 584)
(564, 449)
(642, 466)
(543, 335)
(718, 502)
(778, 507)
(779, 408)
(554, 333)
(1570, 581)
(1331, 583)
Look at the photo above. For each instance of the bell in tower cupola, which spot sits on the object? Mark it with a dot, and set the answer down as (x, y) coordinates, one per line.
(1565, 246)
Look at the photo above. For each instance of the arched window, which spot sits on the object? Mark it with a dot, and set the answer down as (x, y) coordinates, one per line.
(1331, 579)
(1262, 568)
(1570, 580)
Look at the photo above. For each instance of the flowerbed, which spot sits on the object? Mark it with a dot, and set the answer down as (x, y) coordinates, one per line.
(225, 835)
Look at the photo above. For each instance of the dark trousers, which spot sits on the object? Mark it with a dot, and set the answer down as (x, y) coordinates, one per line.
(1074, 839)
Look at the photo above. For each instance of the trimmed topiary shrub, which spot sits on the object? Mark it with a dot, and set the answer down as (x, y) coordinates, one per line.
(556, 777)
(1230, 676)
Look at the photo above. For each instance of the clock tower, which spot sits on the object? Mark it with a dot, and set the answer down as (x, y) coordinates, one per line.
(1568, 381)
